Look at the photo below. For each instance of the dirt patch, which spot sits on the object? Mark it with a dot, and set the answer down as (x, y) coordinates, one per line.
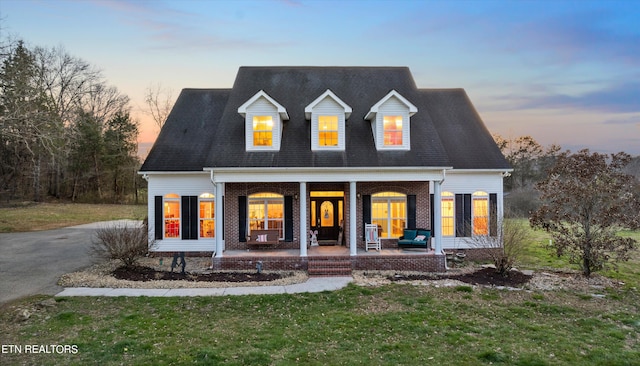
(141, 273)
(482, 276)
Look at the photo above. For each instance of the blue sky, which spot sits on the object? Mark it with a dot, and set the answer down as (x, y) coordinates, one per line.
(565, 72)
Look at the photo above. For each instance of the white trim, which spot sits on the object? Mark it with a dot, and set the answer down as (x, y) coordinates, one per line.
(309, 109)
(281, 110)
(330, 174)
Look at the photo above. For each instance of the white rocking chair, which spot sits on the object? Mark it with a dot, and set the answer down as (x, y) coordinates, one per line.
(372, 240)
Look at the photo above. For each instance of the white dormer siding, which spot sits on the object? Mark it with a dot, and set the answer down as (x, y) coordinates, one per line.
(263, 122)
(328, 115)
(390, 122)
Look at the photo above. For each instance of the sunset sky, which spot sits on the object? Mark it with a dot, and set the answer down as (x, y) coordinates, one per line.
(565, 72)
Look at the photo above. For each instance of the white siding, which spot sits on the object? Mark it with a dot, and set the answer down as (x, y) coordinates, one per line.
(262, 107)
(461, 182)
(392, 107)
(182, 185)
(328, 107)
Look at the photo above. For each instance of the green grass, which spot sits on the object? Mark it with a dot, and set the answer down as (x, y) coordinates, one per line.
(46, 216)
(395, 324)
(388, 325)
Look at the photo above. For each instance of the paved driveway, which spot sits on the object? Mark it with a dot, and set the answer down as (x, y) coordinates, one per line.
(31, 263)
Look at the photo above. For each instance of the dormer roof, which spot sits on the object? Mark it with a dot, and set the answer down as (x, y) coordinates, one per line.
(308, 109)
(282, 111)
(374, 110)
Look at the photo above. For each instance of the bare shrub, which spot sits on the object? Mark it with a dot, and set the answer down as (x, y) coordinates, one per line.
(506, 248)
(121, 242)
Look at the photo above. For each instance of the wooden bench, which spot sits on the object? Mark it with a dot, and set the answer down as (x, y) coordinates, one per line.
(270, 237)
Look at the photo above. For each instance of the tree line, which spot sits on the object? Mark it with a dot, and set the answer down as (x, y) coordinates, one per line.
(65, 133)
(532, 163)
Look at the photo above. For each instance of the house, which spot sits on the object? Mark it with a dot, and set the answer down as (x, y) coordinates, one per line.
(325, 149)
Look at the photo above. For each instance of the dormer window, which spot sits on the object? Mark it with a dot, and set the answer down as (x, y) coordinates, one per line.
(262, 131)
(328, 115)
(263, 122)
(392, 126)
(327, 131)
(390, 119)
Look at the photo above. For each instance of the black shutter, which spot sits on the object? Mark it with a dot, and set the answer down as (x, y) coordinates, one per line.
(411, 211)
(288, 218)
(242, 218)
(431, 218)
(158, 225)
(467, 215)
(366, 211)
(189, 217)
(493, 214)
(463, 215)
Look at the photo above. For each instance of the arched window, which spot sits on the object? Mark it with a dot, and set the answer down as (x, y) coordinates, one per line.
(266, 211)
(171, 216)
(448, 214)
(207, 215)
(480, 213)
(389, 212)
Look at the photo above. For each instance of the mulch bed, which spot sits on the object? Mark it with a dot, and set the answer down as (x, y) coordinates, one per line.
(484, 276)
(141, 273)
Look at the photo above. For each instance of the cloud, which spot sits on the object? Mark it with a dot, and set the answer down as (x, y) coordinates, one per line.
(169, 28)
(633, 120)
(619, 98)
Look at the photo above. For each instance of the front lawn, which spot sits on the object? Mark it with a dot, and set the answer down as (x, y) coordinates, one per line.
(387, 325)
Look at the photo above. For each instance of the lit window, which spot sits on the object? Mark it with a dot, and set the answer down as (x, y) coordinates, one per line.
(328, 130)
(447, 213)
(480, 213)
(392, 126)
(266, 211)
(389, 212)
(262, 131)
(207, 216)
(172, 216)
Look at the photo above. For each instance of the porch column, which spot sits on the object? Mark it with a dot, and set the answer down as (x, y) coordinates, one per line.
(219, 219)
(303, 219)
(353, 226)
(437, 216)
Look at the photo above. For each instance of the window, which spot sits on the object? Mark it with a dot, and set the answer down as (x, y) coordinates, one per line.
(207, 215)
(328, 130)
(392, 126)
(266, 211)
(480, 212)
(262, 131)
(389, 212)
(171, 216)
(447, 214)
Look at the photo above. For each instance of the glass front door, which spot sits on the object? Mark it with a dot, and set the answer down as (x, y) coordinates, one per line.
(326, 216)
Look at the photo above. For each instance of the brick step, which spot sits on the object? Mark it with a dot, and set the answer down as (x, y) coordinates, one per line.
(329, 267)
(325, 263)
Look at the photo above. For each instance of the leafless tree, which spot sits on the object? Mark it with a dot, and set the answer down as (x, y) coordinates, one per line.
(159, 101)
(588, 198)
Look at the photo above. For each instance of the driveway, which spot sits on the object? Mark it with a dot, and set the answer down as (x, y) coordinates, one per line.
(31, 263)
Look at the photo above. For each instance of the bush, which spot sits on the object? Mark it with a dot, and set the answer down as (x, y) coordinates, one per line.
(121, 242)
(506, 248)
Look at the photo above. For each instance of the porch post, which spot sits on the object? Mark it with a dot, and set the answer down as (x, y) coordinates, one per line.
(353, 226)
(303, 219)
(437, 216)
(219, 219)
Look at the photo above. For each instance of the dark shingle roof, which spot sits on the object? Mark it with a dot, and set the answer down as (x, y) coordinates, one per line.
(204, 128)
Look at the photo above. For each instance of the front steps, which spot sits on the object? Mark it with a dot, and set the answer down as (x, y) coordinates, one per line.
(329, 266)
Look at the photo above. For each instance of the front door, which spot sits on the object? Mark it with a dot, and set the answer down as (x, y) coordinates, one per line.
(326, 217)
